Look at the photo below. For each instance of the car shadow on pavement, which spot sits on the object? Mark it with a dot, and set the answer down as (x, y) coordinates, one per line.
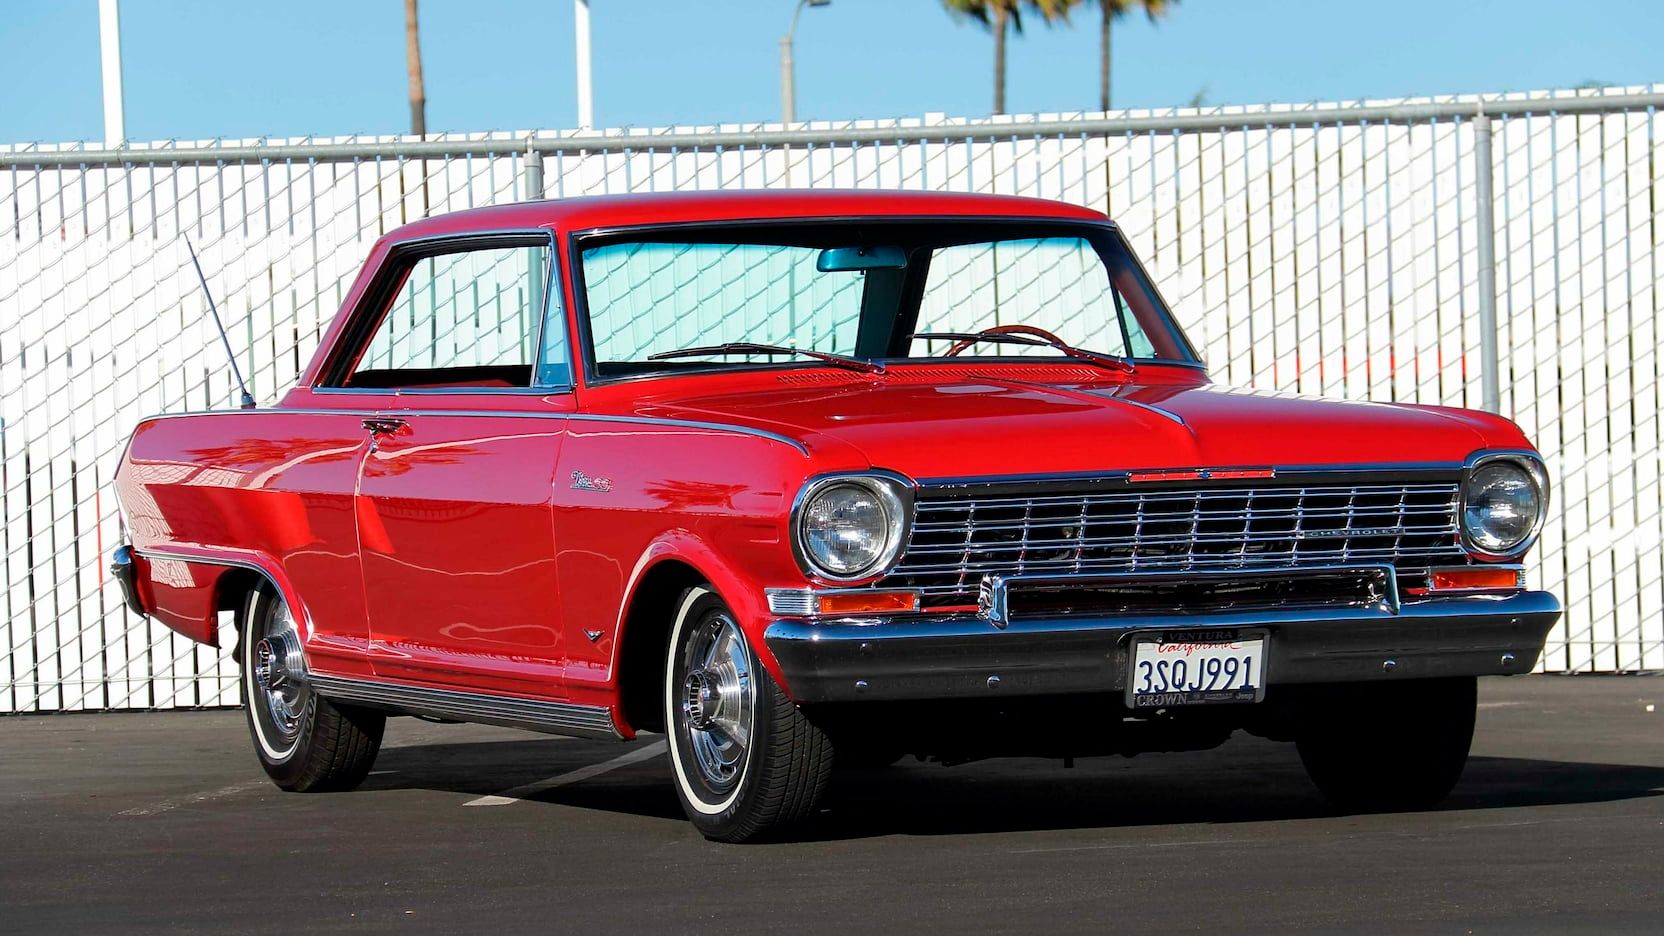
(1244, 781)
(925, 802)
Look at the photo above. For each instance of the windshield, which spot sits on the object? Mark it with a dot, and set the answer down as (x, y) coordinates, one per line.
(873, 290)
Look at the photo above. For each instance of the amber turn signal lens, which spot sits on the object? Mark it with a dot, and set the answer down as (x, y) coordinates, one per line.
(868, 602)
(1447, 579)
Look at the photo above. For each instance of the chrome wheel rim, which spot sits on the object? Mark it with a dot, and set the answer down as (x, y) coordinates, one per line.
(718, 701)
(279, 692)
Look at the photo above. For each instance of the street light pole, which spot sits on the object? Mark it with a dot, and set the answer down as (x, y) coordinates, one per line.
(586, 102)
(788, 69)
(109, 48)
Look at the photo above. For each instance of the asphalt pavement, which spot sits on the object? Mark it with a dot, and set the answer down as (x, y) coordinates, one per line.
(163, 822)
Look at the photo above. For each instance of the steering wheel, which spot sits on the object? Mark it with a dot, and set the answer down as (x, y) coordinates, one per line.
(1032, 330)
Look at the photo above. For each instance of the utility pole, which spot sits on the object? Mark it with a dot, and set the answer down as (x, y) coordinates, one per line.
(413, 70)
(586, 102)
(109, 49)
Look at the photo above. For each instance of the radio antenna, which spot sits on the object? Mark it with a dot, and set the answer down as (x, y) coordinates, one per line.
(248, 399)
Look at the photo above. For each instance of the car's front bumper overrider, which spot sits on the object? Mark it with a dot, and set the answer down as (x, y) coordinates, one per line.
(968, 655)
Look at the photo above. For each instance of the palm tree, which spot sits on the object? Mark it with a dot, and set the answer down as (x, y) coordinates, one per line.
(1112, 10)
(998, 16)
(413, 67)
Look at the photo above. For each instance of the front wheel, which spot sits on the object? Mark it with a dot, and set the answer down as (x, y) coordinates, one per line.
(1376, 747)
(305, 742)
(747, 762)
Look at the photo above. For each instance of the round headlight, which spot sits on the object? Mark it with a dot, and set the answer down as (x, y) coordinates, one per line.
(1502, 503)
(851, 528)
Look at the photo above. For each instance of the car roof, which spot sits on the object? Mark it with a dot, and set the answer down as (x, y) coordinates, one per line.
(596, 211)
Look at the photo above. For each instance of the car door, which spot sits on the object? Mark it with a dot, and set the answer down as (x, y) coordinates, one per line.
(457, 546)
(453, 502)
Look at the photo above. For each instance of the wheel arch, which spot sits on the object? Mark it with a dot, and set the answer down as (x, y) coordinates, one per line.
(214, 580)
(670, 566)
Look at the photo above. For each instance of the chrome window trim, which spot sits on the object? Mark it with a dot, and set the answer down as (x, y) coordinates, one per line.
(580, 310)
(905, 490)
(551, 282)
(1534, 466)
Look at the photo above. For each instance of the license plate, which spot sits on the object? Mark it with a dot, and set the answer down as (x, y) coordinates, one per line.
(1173, 669)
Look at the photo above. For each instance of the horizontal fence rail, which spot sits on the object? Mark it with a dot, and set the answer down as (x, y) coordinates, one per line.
(1498, 252)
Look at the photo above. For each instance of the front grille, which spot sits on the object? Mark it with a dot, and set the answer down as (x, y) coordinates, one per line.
(956, 540)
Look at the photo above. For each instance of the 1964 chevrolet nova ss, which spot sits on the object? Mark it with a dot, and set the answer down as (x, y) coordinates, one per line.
(817, 477)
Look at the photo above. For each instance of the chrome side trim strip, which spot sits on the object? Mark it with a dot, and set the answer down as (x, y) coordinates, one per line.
(566, 718)
(505, 414)
(696, 424)
(396, 392)
(1156, 410)
(205, 560)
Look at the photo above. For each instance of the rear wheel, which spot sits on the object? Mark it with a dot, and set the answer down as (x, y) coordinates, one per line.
(747, 762)
(305, 742)
(1386, 746)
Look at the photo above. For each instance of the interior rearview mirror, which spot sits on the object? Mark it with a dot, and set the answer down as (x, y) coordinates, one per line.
(850, 259)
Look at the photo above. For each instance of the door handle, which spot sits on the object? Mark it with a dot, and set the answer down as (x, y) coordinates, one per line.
(383, 425)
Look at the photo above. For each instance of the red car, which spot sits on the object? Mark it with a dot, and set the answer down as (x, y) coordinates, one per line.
(799, 478)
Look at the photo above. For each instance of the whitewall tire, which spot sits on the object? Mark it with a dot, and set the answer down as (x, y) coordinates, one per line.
(747, 762)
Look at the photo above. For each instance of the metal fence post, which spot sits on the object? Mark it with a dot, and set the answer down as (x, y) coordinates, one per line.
(1490, 359)
(533, 180)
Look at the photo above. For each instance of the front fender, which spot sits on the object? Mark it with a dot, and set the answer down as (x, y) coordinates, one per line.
(742, 593)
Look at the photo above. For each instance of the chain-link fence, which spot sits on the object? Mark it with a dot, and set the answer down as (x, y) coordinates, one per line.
(1503, 251)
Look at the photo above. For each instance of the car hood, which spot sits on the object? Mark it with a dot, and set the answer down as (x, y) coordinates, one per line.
(977, 426)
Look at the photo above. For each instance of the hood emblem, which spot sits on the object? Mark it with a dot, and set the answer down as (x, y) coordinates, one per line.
(1202, 474)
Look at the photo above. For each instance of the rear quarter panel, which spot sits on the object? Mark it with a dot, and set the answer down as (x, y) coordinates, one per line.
(267, 489)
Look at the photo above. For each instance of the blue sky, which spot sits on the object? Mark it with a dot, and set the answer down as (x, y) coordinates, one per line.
(197, 68)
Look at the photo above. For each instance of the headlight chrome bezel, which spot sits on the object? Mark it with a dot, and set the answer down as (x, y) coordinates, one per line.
(1532, 464)
(895, 494)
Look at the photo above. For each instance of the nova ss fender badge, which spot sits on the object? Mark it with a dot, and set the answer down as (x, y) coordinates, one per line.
(583, 482)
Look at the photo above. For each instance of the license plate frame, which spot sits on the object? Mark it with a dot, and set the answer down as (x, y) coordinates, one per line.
(1256, 645)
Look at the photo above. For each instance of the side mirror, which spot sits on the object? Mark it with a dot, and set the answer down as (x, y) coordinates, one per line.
(853, 259)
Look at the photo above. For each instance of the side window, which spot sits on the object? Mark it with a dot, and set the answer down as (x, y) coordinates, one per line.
(468, 318)
(554, 365)
(1142, 346)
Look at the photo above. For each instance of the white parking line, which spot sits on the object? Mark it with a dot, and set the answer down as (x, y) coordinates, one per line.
(577, 776)
(195, 798)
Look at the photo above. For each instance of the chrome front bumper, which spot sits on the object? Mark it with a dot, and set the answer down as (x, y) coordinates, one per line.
(970, 655)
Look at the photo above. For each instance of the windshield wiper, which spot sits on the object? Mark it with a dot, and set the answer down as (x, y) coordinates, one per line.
(748, 347)
(1093, 357)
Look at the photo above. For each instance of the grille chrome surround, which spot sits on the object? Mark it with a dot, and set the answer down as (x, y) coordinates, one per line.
(957, 540)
